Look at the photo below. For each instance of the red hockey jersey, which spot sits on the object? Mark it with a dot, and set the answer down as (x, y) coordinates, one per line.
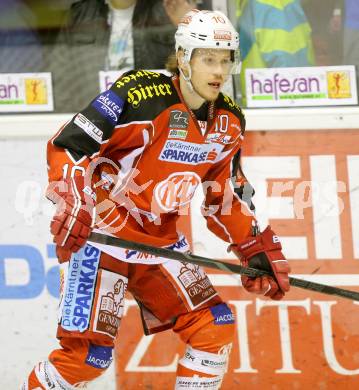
(147, 154)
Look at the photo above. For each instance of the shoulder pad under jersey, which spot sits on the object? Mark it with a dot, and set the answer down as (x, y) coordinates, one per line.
(146, 94)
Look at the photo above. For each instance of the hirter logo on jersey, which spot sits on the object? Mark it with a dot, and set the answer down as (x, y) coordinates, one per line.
(177, 190)
(109, 105)
(190, 153)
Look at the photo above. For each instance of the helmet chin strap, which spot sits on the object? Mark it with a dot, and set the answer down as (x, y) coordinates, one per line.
(188, 81)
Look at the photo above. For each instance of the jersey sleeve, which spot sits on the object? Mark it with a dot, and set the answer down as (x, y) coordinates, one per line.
(228, 208)
(79, 141)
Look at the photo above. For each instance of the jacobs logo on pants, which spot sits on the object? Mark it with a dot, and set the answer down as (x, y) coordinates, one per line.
(99, 356)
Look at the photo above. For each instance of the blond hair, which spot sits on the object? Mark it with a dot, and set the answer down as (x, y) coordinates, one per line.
(172, 63)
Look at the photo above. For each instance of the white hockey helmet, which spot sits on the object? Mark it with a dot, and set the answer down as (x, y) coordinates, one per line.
(207, 30)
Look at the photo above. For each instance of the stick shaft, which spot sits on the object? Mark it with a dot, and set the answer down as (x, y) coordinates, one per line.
(219, 265)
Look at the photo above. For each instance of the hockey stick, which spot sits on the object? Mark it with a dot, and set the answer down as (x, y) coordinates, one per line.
(217, 264)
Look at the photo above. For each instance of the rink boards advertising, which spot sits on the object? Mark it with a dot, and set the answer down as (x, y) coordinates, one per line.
(307, 189)
(306, 185)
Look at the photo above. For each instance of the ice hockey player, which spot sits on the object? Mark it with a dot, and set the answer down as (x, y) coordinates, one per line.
(128, 165)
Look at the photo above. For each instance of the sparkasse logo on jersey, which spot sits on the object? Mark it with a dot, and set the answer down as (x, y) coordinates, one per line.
(190, 153)
(80, 289)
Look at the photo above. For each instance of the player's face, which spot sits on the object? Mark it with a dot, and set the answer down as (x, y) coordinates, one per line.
(210, 69)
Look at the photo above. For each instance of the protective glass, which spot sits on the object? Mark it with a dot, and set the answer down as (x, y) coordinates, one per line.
(220, 61)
